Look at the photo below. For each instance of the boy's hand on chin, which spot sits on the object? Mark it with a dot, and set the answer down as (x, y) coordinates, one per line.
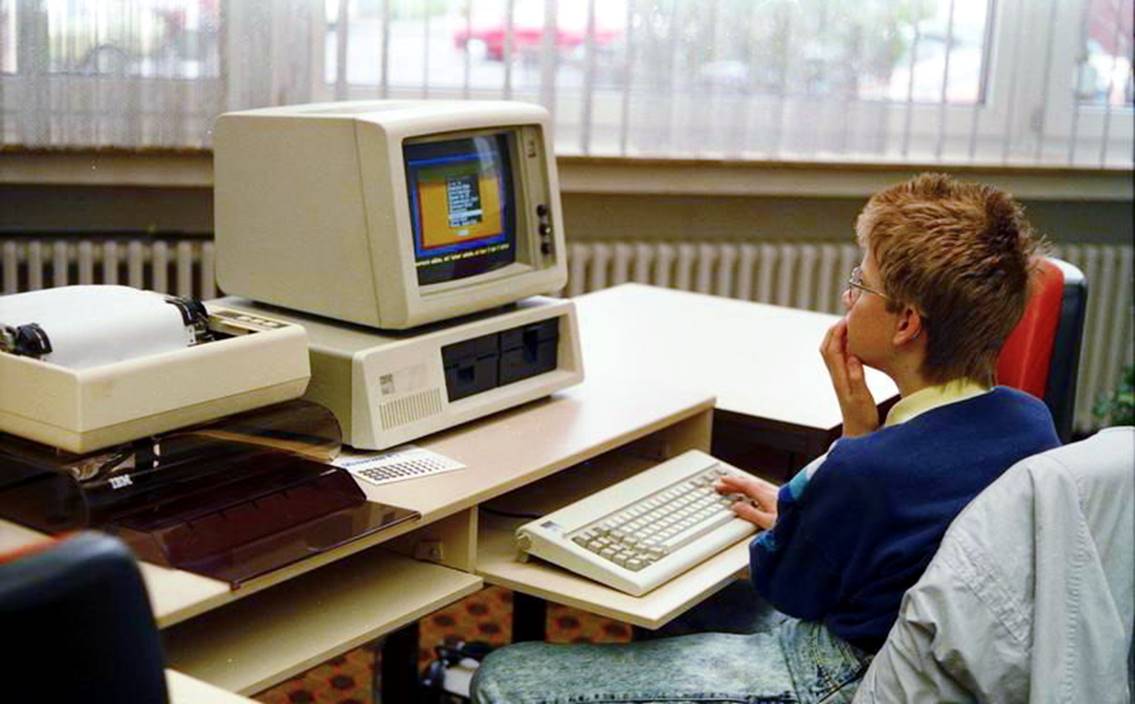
(856, 404)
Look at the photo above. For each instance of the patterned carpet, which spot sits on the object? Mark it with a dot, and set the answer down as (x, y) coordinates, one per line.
(484, 616)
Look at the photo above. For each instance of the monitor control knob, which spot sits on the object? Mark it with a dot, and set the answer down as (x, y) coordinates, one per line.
(545, 229)
(542, 210)
(546, 247)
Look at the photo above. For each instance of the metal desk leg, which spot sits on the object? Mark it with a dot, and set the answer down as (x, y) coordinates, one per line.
(396, 680)
(529, 617)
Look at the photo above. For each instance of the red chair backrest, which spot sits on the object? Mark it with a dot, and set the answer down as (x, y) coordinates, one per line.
(1027, 354)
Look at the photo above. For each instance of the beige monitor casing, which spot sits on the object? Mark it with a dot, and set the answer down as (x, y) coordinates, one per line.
(312, 210)
(389, 388)
(82, 410)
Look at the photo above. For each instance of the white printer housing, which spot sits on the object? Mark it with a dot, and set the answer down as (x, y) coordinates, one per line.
(258, 362)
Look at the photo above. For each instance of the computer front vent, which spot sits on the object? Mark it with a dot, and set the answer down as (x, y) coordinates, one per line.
(410, 408)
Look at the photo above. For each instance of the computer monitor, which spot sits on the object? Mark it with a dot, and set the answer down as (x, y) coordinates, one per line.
(390, 214)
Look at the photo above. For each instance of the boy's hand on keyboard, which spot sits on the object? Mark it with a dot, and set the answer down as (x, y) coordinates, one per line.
(759, 503)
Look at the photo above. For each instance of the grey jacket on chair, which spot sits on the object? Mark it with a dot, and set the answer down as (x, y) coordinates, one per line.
(1030, 595)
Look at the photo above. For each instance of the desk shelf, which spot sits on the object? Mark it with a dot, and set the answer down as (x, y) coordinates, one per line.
(496, 551)
(497, 563)
(261, 640)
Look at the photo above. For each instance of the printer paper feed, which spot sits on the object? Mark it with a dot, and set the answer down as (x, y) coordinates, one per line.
(89, 326)
(231, 500)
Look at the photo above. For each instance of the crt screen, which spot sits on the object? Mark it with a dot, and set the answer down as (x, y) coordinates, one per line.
(461, 207)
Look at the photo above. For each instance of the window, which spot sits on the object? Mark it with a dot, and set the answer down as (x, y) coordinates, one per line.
(109, 72)
(7, 36)
(1104, 64)
(1103, 80)
(948, 81)
(138, 38)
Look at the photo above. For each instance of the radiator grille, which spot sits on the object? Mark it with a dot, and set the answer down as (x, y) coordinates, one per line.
(409, 409)
(806, 276)
(812, 276)
(180, 266)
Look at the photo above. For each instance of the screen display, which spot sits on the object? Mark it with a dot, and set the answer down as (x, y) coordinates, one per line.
(461, 206)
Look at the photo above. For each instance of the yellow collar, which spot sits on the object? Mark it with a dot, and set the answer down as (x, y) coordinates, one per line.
(932, 397)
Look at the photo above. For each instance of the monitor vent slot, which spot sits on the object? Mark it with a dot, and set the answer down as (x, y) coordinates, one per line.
(411, 408)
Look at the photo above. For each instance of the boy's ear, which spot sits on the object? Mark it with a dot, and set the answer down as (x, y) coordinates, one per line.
(909, 327)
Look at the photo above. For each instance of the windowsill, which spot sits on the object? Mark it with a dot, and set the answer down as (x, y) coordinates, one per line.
(164, 168)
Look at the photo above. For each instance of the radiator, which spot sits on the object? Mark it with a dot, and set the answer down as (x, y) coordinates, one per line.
(809, 276)
(812, 276)
(180, 266)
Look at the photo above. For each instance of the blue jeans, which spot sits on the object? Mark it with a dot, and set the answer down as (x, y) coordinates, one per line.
(753, 655)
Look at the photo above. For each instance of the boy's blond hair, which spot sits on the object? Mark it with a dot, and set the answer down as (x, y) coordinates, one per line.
(961, 254)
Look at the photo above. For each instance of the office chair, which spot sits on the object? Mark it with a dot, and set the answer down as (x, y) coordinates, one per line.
(78, 625)
(1031, 594)
(1042, 354)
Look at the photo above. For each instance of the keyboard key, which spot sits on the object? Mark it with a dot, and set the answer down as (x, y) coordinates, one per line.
(678, 539)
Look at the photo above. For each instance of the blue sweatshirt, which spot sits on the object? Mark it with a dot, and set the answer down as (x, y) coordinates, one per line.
(852, 538)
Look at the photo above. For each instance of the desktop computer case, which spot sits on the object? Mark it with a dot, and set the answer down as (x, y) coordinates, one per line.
(388, 388)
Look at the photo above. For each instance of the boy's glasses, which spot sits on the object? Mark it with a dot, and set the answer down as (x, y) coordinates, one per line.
(855, 286)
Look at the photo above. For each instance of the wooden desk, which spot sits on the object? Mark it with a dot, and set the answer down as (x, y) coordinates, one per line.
(762, 362)
(283, 623)
(652, 358)
(252, 643)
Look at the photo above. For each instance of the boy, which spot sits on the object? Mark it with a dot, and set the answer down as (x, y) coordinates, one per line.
(943, 281)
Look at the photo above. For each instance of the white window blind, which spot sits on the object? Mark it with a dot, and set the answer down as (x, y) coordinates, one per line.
(939, 81)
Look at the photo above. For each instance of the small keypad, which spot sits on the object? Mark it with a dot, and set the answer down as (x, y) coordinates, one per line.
(408, 469)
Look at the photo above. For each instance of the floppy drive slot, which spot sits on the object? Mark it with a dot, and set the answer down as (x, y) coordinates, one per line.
(529, 350)
(486, 362)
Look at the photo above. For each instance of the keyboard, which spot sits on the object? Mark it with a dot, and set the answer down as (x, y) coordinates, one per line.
(645, 530)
